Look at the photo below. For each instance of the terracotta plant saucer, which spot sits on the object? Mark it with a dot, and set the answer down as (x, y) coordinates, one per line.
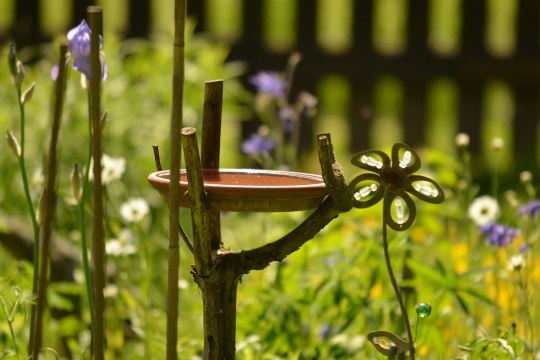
(251, 190)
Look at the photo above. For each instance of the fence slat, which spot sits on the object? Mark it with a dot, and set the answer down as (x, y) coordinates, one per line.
(416, 65)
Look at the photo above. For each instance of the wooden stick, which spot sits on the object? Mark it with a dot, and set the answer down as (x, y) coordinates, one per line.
(157, 160)
(49, 200)
(173, 258)
(95, 19)
(210, 147)
(197, 198)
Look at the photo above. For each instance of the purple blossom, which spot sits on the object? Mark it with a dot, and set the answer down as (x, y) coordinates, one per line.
(531, 209)
(257, 144)
(269, 82)
(324, 331)
(79, 50)
(288, 117)
(499, 235)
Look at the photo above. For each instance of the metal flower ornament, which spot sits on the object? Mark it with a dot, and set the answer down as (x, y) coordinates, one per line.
(393, 180)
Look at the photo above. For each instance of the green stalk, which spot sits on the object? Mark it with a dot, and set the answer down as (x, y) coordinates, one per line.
(82, 220)
(9, 319)
(84, 242)
(32, 213)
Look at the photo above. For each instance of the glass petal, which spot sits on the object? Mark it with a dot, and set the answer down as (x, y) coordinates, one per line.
(372, 160)
(425, 189)
(399, 211)
(366, 190)
(405, 158)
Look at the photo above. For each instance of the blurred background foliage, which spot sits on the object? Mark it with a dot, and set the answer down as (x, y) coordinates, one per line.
(323, 300)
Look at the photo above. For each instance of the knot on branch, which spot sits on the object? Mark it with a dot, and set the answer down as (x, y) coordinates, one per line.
(333, 174)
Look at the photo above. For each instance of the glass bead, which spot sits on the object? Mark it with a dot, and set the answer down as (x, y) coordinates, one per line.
(423, 310)
(365, 191)
(371, 161)
(426, 190)
(400, 211)
(404, 162)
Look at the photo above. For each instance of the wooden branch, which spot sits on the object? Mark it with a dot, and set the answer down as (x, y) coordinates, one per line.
(261, 257)
(49, 201)
(332, 173)
(198, 200)
(183, 235)
(337, 202)
(210, 147)
(95, 20)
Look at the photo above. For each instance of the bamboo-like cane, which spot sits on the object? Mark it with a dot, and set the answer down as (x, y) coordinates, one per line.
(95, 19)
(48, 201)
(173, 261)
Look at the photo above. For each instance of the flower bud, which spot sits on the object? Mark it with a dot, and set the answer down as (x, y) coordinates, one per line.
(27, 95)
(17, 77)
(76, 183)
(12, 59)
(13, 143)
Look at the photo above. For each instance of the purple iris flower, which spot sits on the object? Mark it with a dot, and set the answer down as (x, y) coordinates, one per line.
(288, 118)
(324, 331)
(499, 235)
(79, 50)
(257, 144)
(269, 82)
(532, 209)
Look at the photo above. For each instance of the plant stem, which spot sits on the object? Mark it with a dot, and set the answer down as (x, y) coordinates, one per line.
(35, 225)
(82, 220)
(10, 325)
(404, 315)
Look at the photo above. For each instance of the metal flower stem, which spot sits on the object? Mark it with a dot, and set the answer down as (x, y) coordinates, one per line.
(95, 17)
(395, 286)
(173, 259)
(49, 200)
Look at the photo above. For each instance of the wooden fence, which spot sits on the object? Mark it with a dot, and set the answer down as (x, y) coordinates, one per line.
(385, 70)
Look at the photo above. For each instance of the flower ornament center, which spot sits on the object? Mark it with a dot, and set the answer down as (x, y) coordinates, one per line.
(394, 180)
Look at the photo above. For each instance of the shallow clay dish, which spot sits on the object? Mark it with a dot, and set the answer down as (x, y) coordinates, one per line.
(251, 190)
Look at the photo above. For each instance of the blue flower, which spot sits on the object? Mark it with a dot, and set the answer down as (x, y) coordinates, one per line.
(258, 144)
(79, 50)
(269, 82)
(324, 331)
(499, 235)
(288, 117)
(532, 209)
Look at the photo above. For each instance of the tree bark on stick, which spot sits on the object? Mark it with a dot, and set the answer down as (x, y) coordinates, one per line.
(218, 271)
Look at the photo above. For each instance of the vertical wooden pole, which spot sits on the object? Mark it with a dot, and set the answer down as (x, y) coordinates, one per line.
(210, 147)
(173, 260)
(95, 19)
(49, 201)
